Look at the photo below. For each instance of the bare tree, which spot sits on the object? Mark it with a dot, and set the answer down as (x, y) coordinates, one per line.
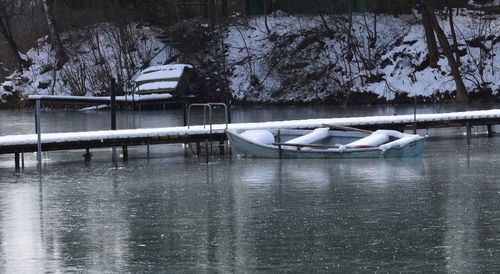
(7, 10)
(432, 48)
(265, 17)
(462, 96)
(453, 34)
(349, 32)
(61, 57)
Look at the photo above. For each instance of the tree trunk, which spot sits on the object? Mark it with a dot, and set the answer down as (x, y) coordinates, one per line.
(265, 17)
(462, 96)
(454, 35)
(61, 57)
(7, 34)
(349, 32)
(432, 48)
(224, 8)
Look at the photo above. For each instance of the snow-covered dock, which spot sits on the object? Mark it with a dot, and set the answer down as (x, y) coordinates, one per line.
(132, 137)
(63, 99)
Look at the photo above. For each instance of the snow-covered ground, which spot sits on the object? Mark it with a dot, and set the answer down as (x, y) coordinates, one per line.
(294, 59)
(298, 60)
(95, 53)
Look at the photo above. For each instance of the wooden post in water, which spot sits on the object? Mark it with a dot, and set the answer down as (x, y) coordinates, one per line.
(113, 115)
(469, 132)
(38, 132)
(185, 113)
(206, 151)
(113, 104)
(221, 147)
(490, 131)
(125, 153)
(87, 156)
(229, 112)
(198, 149)
(16, 160)
(415, 116)
(279, 146)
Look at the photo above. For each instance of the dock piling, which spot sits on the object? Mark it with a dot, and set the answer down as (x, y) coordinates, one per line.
(221, 147)
(415, 116)
(38, 132)
(87, 156)
(185, 113)
(490, 131)
(468, 128)
(206, 150)
(113, 156)
(125, 153)
(113, 104)
(16, 161)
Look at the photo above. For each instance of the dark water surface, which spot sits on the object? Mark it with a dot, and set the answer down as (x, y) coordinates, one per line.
(171, 213)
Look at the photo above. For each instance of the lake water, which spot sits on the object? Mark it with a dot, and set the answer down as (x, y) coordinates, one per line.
(171, 213)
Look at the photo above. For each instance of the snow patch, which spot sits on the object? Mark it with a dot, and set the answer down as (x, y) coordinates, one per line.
(310, 138)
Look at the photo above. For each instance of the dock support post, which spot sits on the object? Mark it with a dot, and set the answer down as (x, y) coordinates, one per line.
(415, 116)
(148, 152)
(278, 137)
(38, 132)
(16, 160)
(221, 147)
(113, 156)
(206, 150)
(113, 104)
(185, 113)
(113, 115)
(198, 149)
(22, 160)
(469, 132)
(229, 112)
(125, 153)
(490, 131)
(87, 156)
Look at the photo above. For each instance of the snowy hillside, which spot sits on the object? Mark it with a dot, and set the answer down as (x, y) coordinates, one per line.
(96, 54)
(301, 60)
(292, 59)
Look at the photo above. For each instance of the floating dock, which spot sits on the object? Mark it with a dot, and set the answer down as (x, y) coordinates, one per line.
(18, 144)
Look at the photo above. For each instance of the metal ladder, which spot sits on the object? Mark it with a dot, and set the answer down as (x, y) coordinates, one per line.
(209, 107)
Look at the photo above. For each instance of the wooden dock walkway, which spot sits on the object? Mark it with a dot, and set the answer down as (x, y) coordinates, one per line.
(16, 144)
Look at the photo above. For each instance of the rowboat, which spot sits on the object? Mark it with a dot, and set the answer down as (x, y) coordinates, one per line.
(324, 143)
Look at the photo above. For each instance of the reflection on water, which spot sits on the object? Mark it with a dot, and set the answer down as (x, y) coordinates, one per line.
(437, 213)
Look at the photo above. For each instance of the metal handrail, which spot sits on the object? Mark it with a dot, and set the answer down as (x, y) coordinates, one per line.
(208, 106)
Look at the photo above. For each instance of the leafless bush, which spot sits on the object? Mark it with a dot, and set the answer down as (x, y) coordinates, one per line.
(312, 59)
(110, 51)
(481, 37)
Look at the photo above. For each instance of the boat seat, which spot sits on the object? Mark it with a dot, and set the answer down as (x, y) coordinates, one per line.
(401, 142)
(310, 138)
(375, 139)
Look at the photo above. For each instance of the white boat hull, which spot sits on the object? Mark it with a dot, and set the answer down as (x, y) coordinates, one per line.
(248, 148)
